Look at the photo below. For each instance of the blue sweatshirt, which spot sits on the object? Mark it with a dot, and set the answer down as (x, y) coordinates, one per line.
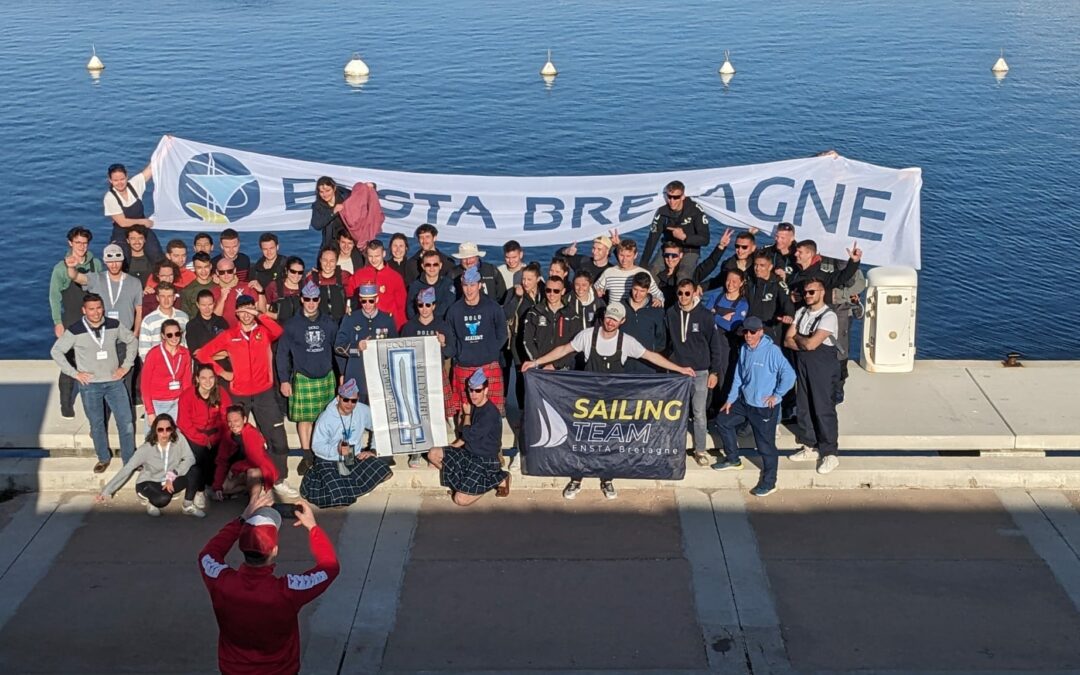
(484, 436)
(761, 372)
(413, 328)
(306, 346)
(445, 294)
(478, 331)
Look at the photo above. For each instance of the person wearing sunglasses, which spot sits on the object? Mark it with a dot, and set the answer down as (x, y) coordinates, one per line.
(433, 277)
(229, 289)
(166, 373)
(167, 466)
(150, 328)
(470, 466)
(812, 337)
(351, 339)
(696, 343)
(283, 293)
(305, 366)
(425, 323)
(679, 219)
(390, 284)
(343, 468)
(427, 236)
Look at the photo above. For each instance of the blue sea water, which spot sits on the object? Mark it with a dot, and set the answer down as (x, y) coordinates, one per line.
(455, 88)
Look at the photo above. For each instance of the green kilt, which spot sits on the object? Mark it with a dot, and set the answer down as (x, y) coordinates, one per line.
(310, 396)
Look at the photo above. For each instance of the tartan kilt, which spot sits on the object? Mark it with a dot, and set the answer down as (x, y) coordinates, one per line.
(310, 396)
(323, 486)
(468, 473)
(459, 387)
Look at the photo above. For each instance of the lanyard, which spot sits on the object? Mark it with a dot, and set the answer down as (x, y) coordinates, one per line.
(119, 289)
(100, 343)
(347, 432)
(168, 363)
(167, 447)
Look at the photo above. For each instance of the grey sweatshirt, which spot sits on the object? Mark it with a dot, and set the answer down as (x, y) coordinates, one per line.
(87, 346)
(152, 460)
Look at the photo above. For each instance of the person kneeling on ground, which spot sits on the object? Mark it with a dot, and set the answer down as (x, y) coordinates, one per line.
(242, 461)
(342, 470)
(168, 465)
(256, 611)
(762, 377)
(470, 467)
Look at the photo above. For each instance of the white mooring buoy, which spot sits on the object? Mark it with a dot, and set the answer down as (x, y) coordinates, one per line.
(356, 68)
(94, 65)
(549, 69)
(1000, 66)
(727, 68)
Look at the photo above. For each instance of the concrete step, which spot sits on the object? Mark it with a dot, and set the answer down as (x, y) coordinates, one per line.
(900, 472)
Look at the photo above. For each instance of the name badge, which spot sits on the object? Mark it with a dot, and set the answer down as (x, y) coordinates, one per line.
(174, 384)
(113, 314)
(102, 355)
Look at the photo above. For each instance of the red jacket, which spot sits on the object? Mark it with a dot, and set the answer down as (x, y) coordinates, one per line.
(258, 632)
(156, 376)
(249, 354)
(200, 423)
(392, 294)
(254, 454)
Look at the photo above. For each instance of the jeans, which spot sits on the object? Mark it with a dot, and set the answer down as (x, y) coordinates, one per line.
(94, 397)
(698, 404)
(763, 422)
(163, 408)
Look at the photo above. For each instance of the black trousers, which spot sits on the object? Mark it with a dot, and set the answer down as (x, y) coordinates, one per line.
(817, 374)
(156, 493)
(67, 389)
(205, 457)
(271, 424)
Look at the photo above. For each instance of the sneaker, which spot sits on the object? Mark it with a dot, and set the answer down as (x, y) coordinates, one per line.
(101, 466)
(571, 489)
(200, 500)
(189, 509)
(726, 464)
(608, 488)
(283, 489)
(701, 458)
(416, 462)
(761, 491)
(805, 454)
(152, 511)
(828, 463)
(68, 415)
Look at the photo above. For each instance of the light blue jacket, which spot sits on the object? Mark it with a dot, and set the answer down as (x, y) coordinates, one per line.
(761, 372)
(331, 428)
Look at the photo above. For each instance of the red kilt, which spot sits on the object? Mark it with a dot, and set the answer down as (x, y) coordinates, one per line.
(459, 387)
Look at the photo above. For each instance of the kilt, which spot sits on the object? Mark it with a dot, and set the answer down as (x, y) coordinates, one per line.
(323, 486)
(468, 473)
(310, 396)
(459, 387)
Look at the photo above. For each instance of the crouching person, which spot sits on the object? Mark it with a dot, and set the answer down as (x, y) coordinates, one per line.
(470, 467)
(342, 471)
(242, 463)
(168, 466)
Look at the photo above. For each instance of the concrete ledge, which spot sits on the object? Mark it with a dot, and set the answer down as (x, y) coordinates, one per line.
(74, 474)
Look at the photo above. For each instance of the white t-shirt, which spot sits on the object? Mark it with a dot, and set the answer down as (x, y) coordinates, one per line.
(804, 319)
(137, 183)
(631, 348)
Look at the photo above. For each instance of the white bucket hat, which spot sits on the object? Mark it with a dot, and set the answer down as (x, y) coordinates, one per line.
(468, 249)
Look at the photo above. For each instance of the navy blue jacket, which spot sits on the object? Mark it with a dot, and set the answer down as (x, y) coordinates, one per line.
(413, 328)
(445, 294)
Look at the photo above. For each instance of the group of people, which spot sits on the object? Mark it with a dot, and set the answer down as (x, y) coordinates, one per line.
(204, 341)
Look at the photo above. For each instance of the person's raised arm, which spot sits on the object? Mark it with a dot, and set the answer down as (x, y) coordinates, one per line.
(658, 360)
(303, 588)
(551, 357)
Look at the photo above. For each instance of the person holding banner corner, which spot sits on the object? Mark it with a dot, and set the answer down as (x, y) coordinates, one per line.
(606, 348)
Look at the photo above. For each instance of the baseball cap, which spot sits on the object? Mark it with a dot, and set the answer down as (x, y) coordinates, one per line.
(615, 311)
(259, 533)
(603, 239)
(752, 324)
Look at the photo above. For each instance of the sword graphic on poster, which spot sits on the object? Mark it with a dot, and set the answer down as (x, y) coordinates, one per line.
(404, 382)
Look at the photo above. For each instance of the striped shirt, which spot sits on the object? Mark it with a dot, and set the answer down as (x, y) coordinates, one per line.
(615, 282)
(150, 330)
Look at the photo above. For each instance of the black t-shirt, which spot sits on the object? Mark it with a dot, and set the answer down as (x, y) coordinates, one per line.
(141, 268)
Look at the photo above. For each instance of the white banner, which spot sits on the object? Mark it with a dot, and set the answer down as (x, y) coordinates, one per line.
(404, 383)
(833, 200)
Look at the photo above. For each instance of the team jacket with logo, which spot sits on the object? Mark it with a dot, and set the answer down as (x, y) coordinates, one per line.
(695, 341)
(258, 632)
(479, 331)
(249, 355)
(544, 330)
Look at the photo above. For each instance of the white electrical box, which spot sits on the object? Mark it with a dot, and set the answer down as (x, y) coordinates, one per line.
(888, 339)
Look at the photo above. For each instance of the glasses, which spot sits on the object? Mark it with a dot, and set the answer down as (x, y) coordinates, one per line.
(476, 391)
(228, 271)
(436, 264)
(672, 255)
(811, 291)
(553, 291)
(172, 335)
(673, 198)
(299, 271)
(315, 299)
(164, 430)
(742, 247)
(425, 304)
(350, 400)
(685, 294)
(368, 301)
